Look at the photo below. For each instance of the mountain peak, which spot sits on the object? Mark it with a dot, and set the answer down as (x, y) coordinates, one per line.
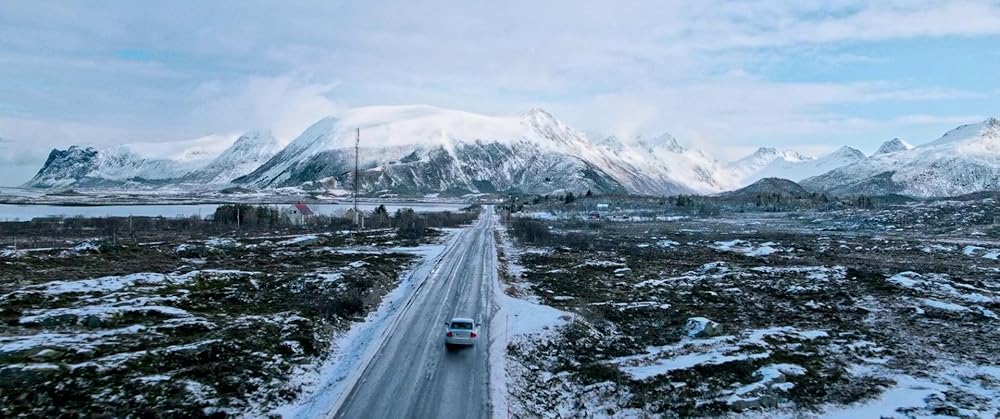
(667, 141)
(540, 117)
(247, 153)
(256, 133)
(893, 146)
(848, 151)
(765, 155)
(769, 185)
(538, 112)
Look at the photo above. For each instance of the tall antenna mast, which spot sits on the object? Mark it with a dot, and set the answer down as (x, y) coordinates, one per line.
(357, 145)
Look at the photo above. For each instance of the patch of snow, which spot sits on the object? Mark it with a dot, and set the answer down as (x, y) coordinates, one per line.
(305, 239)
(746, 248)
(98, 311)
(769, 375)
(711, 351)
(116, 283)
(667, 244)
(77, 341)
(941, 305)
(601, 264)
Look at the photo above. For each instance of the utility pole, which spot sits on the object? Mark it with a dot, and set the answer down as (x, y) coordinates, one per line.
(357, 147)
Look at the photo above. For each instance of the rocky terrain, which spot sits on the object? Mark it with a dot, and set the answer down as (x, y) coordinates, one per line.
(847, 313)
(178, 324)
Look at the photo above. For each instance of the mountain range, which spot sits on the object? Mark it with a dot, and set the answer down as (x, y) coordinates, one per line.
(424, 150)
(964, 160)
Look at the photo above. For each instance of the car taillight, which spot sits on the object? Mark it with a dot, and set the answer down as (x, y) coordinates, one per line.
(450, 334)
(472, 334)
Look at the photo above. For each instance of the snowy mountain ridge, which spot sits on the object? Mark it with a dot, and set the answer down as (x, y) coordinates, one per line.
(145, 164)
(496, 152)
(430, 150)
(247, 153)
(963, 160)
(768, 162)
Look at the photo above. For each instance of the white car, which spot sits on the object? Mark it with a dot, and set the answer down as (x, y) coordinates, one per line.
(461, 331)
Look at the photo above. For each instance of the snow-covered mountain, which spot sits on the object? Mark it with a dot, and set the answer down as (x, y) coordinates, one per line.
(660, 166)
(427, 150)
(768, 162)
(964, 160)
(113, 167)
(893, 146)
(133, 165)
(249, 152)
(767, 186)
(423, 149)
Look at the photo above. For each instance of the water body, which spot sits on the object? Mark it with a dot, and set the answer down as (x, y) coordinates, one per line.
(17, 212)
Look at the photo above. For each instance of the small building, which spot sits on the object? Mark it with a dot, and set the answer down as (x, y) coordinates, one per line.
(298, 213)
(602, 207)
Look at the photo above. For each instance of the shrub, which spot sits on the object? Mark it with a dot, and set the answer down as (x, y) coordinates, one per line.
(530, 231)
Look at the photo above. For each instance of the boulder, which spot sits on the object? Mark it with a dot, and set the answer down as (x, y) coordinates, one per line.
(701, 327)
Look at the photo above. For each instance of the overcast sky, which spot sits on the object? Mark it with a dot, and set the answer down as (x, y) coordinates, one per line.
(726, 77)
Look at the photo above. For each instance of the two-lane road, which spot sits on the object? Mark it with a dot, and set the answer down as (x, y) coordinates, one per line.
(412, 375)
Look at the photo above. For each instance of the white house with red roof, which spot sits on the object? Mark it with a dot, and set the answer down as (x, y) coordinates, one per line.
(298, 213)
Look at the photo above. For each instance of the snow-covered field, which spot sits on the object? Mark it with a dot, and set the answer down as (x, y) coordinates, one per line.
(192, 328)
(738, 317)
(325, 383)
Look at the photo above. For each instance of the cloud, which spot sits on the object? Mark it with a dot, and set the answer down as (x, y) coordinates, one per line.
(737, 109)
(707, 71)
(284, 104)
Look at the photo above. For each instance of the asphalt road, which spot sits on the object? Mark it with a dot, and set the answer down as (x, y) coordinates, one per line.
(412, 375)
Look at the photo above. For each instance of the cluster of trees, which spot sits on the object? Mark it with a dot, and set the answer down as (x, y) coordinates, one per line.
(412, 225)
(535, 232)
(530, 231)
(865, 202)
(249, 216)
(53, 231)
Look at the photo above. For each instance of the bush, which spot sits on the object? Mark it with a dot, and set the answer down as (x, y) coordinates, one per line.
(530, 231)
(409, 225)
(413, 226)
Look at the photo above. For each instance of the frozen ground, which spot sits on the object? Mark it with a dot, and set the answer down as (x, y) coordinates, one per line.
(889, 313)
(185, 328)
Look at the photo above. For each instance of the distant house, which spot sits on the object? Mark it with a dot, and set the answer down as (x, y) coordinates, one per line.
(602, 207)
(349, 214)
(298, 213)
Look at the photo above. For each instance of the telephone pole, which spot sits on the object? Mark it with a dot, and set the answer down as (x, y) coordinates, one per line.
(357, 145)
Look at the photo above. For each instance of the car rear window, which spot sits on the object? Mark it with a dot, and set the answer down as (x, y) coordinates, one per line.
(461, 325)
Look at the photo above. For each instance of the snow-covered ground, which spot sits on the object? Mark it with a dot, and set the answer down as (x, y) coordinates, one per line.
(192, 327)
(524, 323)
(747, 248)
(325, 384)
(773, 316)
